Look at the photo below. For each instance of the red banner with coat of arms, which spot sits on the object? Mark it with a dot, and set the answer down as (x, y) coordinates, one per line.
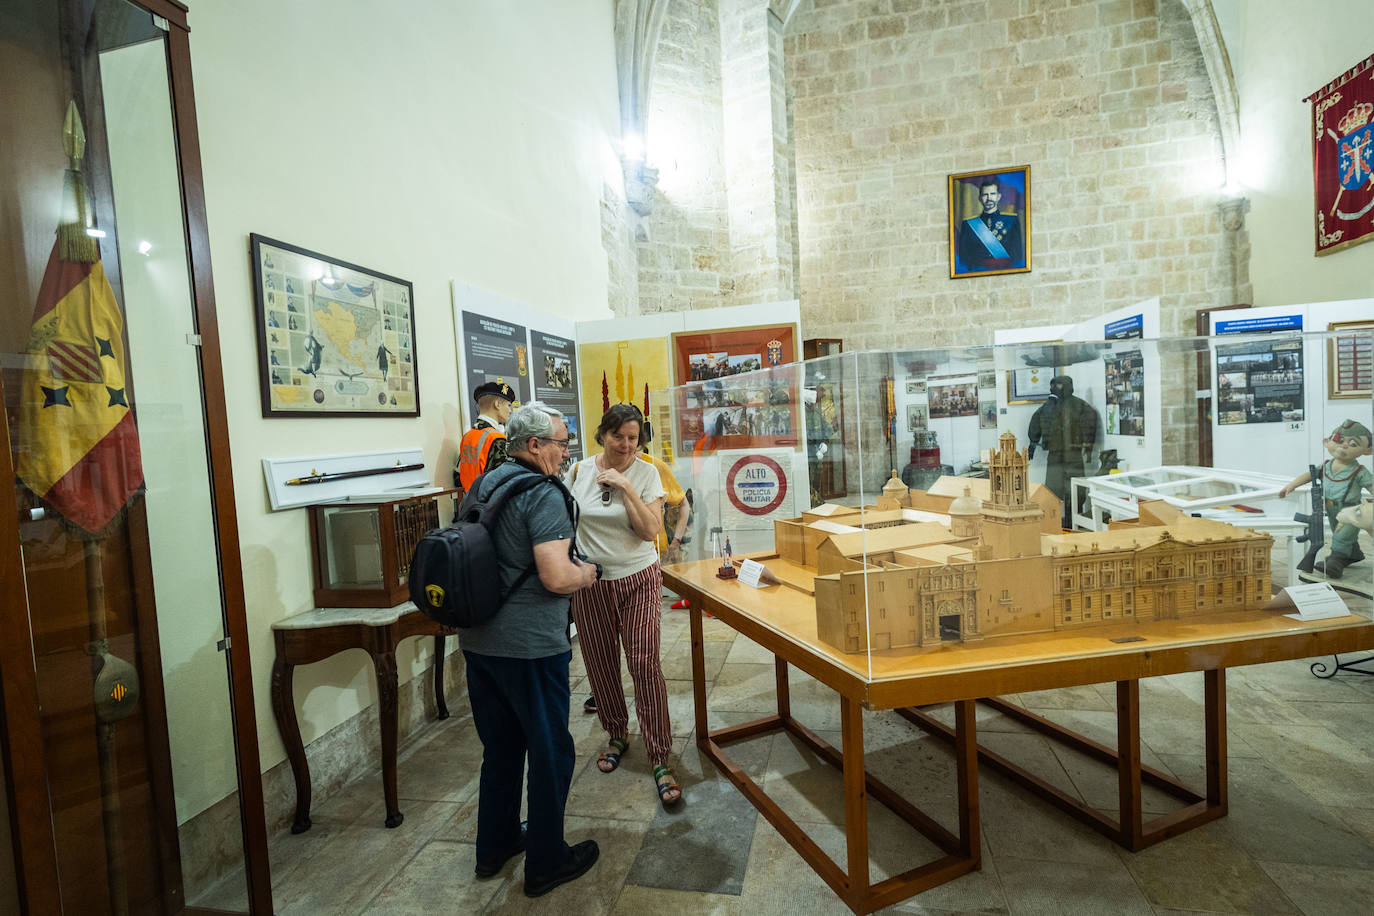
(1343, 158)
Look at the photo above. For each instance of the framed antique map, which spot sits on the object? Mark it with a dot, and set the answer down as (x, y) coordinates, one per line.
(334, 339)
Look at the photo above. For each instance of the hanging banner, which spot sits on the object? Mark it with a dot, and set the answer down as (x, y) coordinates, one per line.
(1343, 158)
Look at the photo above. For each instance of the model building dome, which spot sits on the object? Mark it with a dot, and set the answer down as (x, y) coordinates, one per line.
(968, 504)
(966, 515)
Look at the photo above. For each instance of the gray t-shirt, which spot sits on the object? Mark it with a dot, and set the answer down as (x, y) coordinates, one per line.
(533, 623)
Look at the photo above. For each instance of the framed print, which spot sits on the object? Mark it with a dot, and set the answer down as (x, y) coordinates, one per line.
(1026, 386)
(1350, 359)
(953, 397)
(334, 339)
(917, 417)
(990, 222)
(761, 415)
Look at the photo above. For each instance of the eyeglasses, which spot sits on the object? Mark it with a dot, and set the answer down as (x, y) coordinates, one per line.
(561, 443)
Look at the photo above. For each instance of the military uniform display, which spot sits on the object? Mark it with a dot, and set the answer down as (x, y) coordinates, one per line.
(991, 242)
(1065, 426)
(483, 447)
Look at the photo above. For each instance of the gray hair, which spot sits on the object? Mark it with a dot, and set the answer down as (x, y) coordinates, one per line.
(556, 414)
(529, 421)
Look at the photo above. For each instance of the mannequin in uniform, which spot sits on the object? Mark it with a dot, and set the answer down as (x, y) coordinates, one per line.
(1065, 426)
(484, 446)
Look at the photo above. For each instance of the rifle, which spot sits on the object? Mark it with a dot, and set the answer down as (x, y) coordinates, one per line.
(1315, 538)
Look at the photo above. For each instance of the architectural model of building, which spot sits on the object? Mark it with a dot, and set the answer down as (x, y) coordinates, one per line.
(991, 571)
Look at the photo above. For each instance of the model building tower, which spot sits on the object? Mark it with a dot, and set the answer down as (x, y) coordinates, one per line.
(966, 516)
(1011, 522)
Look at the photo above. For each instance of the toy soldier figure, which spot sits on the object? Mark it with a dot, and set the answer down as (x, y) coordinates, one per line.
(1344, 481)
(1065, 426)
(484, 446)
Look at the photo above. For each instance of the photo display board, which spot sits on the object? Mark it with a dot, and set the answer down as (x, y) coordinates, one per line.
(754, 416)
(555, 381)
(495, 351)
(1260, 380)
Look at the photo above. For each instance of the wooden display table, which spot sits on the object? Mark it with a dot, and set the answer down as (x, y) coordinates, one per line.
(316, 635)
(783, 621)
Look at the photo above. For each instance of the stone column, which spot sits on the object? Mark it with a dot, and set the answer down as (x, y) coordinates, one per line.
(756, 159)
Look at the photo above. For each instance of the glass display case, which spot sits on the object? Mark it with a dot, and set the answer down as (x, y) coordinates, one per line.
(915, 511)
(362, 548)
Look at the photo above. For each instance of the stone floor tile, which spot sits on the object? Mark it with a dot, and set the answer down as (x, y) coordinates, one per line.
(746, 650)
(1018, 825)
(1036, 888)
(1353, 722)
(438, 879)
(986, 718)
(745, 687)
(701, 844)
(1321, 763)
(1204, 870)
(355, 863)
(1084, 697)
(1325, 890)
(637, 901)
(1293, 680)
(1274, 820)
(594, 892)
(627, 794)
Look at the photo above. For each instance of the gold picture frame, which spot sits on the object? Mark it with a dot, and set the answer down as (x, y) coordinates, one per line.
(985, 242)
(1350, 360)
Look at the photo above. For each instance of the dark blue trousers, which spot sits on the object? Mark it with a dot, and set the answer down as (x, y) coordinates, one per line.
(520, 708)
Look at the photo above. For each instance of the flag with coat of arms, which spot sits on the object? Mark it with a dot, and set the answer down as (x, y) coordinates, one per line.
(78, 446)
(1343, 158)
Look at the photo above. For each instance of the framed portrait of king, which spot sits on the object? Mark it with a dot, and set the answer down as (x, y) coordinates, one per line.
(990, 222)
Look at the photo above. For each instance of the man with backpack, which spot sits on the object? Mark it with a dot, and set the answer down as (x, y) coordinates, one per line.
(517, 662)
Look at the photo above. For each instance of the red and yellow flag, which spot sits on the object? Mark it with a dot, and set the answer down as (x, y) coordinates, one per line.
(78, 447)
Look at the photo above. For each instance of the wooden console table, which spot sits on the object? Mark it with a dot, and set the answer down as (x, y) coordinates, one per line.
(783, 621)
(316, 635)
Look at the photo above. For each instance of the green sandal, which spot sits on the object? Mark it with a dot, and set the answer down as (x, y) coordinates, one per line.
(667, 785)
(618, 748)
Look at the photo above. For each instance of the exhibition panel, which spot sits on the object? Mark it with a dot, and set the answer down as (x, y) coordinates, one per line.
(912, 512)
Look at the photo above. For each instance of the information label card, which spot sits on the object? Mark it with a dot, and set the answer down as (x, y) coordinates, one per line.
(1318, 601)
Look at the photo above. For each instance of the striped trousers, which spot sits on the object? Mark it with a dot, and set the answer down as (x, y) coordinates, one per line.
(626, 612)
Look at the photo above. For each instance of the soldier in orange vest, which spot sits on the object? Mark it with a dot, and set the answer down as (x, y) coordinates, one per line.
(484, 446)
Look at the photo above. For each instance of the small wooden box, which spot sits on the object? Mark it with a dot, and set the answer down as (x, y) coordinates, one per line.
(361, 549)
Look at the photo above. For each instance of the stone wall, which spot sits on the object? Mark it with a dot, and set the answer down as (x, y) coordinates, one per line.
(1109, 104)
(685, 262)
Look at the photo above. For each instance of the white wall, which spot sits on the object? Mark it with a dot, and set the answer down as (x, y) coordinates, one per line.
(435, 142)
(1281, 52)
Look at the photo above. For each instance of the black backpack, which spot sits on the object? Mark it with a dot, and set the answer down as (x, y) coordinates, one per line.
(454, 574)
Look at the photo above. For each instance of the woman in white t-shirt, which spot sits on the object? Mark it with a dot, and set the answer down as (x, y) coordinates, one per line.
(620, 499)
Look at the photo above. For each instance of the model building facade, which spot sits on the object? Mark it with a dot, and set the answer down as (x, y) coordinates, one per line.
(991, 571)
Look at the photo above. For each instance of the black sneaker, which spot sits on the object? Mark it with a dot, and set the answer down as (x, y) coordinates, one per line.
(589, 706)
(489, 869)
(583, 857)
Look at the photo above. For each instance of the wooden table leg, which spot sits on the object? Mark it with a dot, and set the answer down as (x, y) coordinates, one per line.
(855, 801)
(1215, 694)
(1128, 762)
(284, 710)
(783, 690)
(384, 660)
(698, 672)
(966, 770)
(439, 676)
